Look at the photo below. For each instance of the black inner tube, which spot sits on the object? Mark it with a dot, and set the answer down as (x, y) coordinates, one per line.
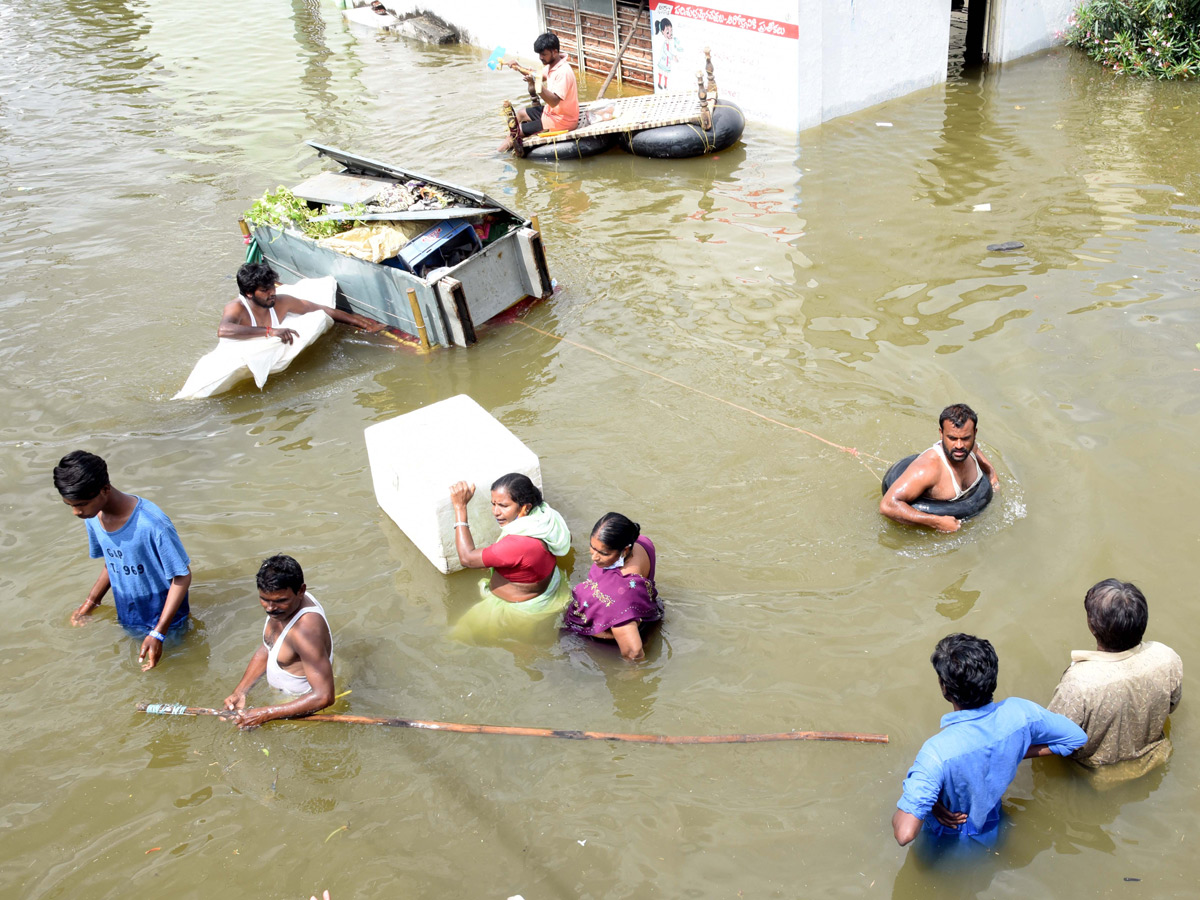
(572, 148)
(969, 504)
(687, 140)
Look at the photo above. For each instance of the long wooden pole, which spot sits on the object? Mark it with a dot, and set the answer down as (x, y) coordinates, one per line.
(178, 709)
(621, 52)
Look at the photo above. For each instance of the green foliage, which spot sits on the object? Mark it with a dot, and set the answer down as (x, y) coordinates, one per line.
(283, 209)
(1140, 37)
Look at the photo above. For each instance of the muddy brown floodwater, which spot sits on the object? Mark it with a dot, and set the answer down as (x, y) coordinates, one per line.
(837, 281)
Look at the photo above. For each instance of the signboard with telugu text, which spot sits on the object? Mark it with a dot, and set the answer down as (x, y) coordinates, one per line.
(754, 51)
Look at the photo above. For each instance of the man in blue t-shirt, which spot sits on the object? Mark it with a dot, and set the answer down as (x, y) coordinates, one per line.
(144, 561)
(961, 773)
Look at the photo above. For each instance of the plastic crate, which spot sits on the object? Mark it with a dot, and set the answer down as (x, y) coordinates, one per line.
(441, 245)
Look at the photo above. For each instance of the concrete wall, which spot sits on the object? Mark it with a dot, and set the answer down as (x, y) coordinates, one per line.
(512, 24)
(1020, 27)
(876, 50)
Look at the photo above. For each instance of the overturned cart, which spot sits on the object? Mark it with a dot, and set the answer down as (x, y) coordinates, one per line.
(423, 256)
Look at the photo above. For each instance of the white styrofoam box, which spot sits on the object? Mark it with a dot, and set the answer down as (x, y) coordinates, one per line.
(417, 456)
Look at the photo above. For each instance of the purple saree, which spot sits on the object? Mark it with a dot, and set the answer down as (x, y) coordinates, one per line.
(607, 599)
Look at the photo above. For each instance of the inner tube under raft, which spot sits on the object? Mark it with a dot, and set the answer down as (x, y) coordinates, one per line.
(969, 504)
(572, 148)
(683, 141)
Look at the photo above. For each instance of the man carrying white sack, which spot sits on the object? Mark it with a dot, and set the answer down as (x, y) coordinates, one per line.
(258, 310)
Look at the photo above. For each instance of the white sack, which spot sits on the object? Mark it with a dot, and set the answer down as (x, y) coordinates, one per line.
(236, 360)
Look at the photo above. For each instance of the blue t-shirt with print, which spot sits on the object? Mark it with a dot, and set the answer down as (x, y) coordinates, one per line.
(142, 556)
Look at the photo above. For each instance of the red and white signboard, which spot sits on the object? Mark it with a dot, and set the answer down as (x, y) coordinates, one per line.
(754, 52)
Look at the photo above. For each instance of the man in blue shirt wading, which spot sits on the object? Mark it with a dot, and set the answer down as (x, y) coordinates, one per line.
(962, 772)
(144, 561)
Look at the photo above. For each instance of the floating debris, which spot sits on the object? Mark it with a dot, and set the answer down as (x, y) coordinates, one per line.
(396, 198)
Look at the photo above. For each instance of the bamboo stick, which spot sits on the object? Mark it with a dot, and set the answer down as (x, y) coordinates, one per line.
(178, 709)
(621, 52)
(422, 335)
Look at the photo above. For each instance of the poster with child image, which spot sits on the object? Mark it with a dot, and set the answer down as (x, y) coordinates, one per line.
(762, 36)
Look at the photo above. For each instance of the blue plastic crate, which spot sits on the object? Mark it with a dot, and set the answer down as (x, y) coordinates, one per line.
(431, 249)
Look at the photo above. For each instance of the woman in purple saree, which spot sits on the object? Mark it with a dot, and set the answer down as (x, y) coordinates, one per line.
(618, 596)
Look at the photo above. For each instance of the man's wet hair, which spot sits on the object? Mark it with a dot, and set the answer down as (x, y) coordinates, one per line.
(1117, 614)
(280, 573)
(81, 476)
(966, 667)
(547, 41)
(957, 414)
(255, 276)
(520, 488)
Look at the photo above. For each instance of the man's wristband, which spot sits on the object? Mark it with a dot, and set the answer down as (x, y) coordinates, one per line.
(268, 330)
(159, 636)
(461, 525)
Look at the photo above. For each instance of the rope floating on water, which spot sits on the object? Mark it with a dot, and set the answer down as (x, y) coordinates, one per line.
(857, 454)
(177, 709)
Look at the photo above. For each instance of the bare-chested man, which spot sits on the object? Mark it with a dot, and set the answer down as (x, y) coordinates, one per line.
(296, 652)
(259, 310)
(946, 471)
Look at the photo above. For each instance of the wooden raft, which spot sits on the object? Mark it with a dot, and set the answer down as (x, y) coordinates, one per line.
(632, 114)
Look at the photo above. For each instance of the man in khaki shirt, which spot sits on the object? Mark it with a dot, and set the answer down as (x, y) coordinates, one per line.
(1121, 693)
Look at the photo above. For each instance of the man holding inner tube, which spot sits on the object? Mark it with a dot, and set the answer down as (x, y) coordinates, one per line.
(945, 472)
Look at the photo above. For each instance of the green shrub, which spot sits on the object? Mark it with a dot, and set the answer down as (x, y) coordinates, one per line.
(1140, 37)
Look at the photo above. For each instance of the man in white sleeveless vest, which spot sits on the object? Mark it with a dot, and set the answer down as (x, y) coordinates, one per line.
(259, 310)
(946, 471)
(296, 653)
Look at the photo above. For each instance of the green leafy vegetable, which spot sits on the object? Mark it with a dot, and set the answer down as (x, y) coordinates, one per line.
(282, 209)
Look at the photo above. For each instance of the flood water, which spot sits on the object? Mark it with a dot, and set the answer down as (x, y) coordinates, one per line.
(837, 281)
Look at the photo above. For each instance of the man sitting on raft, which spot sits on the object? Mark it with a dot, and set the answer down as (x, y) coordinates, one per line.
(258, 310)
(559, 92)
(946, 471)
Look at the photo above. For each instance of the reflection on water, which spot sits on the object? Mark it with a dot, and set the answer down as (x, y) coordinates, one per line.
(837, 282)
(957, 602)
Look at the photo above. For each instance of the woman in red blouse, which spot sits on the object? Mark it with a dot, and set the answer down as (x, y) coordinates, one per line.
(523, 560)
